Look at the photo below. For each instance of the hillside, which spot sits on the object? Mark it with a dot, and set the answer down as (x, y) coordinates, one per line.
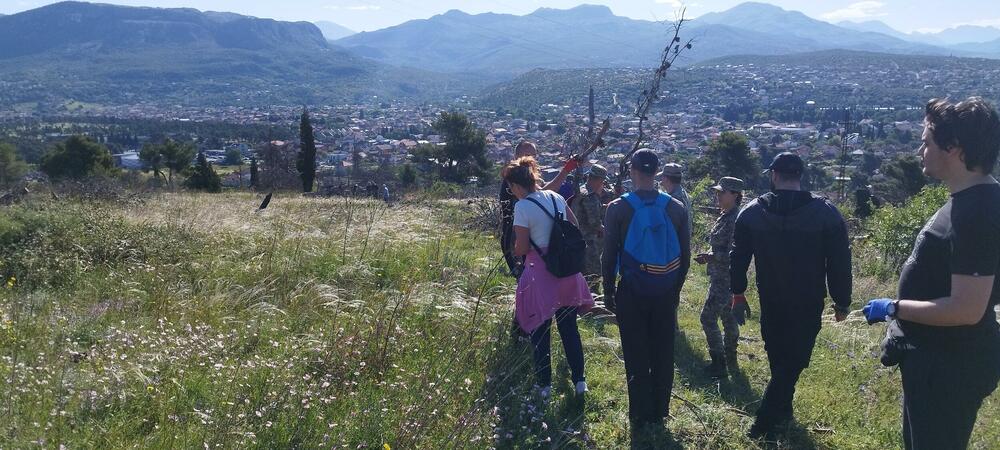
(188, 320)
(107, 54)
(829, 78)
(590, 36)
(332, 31)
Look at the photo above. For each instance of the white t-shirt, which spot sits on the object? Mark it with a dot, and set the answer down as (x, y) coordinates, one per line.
(529, 215)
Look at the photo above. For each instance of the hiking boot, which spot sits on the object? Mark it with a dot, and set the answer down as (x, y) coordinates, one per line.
(731, 359)
(717, 369)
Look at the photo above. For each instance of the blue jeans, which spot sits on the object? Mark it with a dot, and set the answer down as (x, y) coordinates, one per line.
(541, 340)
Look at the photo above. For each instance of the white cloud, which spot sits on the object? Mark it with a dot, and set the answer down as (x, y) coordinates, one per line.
(856, 11)
(672, 3)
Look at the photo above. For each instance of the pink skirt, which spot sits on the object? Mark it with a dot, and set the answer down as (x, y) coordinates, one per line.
(540, 294)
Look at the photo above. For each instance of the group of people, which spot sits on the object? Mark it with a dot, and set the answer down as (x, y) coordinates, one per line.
(943, 330)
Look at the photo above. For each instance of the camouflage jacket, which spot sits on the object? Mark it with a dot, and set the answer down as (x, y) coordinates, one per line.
(721, 241)
(589, 210)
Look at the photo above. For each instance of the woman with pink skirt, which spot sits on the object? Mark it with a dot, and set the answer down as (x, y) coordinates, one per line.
(541, 296)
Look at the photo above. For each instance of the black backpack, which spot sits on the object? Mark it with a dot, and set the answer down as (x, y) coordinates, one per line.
(567, 249)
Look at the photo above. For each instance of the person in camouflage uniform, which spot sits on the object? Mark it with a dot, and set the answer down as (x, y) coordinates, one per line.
(729, 193)
(589, 210)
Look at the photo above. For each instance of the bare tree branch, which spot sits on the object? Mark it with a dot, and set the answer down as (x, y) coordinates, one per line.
(651, 94)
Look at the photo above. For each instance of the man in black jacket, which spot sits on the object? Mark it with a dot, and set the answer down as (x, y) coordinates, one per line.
(799, 245)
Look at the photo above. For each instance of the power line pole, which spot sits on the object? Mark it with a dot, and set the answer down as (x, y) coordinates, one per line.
(844, 147)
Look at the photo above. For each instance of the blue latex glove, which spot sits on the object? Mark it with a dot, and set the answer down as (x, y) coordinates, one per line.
(877, 310)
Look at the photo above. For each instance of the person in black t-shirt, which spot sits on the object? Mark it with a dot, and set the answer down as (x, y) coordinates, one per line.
(943, 329)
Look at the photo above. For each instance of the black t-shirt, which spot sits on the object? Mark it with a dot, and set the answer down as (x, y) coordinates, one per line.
(962, 238)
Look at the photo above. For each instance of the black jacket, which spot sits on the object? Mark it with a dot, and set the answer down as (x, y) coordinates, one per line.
(799, 245)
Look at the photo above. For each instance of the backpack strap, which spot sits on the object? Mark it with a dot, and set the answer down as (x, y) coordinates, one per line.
(547, 213)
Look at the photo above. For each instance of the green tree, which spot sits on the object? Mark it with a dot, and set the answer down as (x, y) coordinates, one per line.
(904, 178)
(407, 175)
(233, 157)
(254, 175)
(203, 177)
(307, 153)
(78, 157)
(169, 154)
(727, 156)
(12, 168)
(464, 152)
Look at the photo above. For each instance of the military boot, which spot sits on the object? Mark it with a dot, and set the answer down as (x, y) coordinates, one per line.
(717, 369)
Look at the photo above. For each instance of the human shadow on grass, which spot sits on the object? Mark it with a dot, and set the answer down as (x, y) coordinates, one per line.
(737, 392)
(524, 419)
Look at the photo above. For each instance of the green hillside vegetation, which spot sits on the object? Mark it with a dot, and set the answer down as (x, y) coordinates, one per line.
(191, 320)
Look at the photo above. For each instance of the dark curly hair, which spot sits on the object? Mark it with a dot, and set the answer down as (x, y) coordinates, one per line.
(971, 124)
(522, 172)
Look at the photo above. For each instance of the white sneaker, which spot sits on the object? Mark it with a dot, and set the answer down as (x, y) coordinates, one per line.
(581, 387)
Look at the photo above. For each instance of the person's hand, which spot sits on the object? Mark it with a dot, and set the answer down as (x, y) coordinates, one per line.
(571, 165)
(840, 316)
(741, 309)
(702, 258)
(877, 310)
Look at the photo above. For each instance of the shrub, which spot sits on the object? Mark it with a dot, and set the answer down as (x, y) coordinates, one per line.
(893, 229)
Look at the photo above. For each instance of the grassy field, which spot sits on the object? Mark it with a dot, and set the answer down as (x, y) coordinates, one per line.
(192, 321)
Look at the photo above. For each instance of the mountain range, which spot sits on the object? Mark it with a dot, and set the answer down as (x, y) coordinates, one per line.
(114, 54)
(123, 55)
(332, 31)
(592, 36)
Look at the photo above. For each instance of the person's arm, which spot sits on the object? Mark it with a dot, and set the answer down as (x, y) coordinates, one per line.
(721, 242)
(970, 296)
(679, 217)
(572, 217)
(522, 228)
(838, 264)
(612, 246)
(570, 165)
(739, 257)
(522, 241)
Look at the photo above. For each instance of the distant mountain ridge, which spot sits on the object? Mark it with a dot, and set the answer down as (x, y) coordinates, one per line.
(590, 36)
(108, 54)
(77, 26)
(951, 37)
(333, 31)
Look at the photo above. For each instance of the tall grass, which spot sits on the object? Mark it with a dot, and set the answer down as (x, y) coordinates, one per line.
(192, 320)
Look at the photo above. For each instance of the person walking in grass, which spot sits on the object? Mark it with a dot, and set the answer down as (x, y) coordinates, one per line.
(507, 200)
(718, 305)
(648, 243)
(589, 210)
(799, 245)
(943, 330)
(540, 294)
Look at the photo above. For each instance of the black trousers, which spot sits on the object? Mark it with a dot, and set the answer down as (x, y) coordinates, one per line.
(541, 341)
(646, 325)
(942, 393)
(789, 331)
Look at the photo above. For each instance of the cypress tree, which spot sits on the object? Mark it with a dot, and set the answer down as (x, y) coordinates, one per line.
(307, 153)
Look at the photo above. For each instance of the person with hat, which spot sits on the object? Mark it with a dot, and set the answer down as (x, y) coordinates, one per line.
(729, 194)
(648, 242)
(670, 182)
(589, 209)
(799, 245)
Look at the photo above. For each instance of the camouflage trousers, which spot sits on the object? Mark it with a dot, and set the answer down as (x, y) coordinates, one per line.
(718, 306)
(592, 264)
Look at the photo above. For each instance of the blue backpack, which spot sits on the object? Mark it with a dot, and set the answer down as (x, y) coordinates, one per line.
(651, 254)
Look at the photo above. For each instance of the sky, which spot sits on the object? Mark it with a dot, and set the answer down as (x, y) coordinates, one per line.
(369, 15)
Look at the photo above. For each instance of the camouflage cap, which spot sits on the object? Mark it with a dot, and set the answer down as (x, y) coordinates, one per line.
(671, 169)
(730, 184)
(597, 171)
